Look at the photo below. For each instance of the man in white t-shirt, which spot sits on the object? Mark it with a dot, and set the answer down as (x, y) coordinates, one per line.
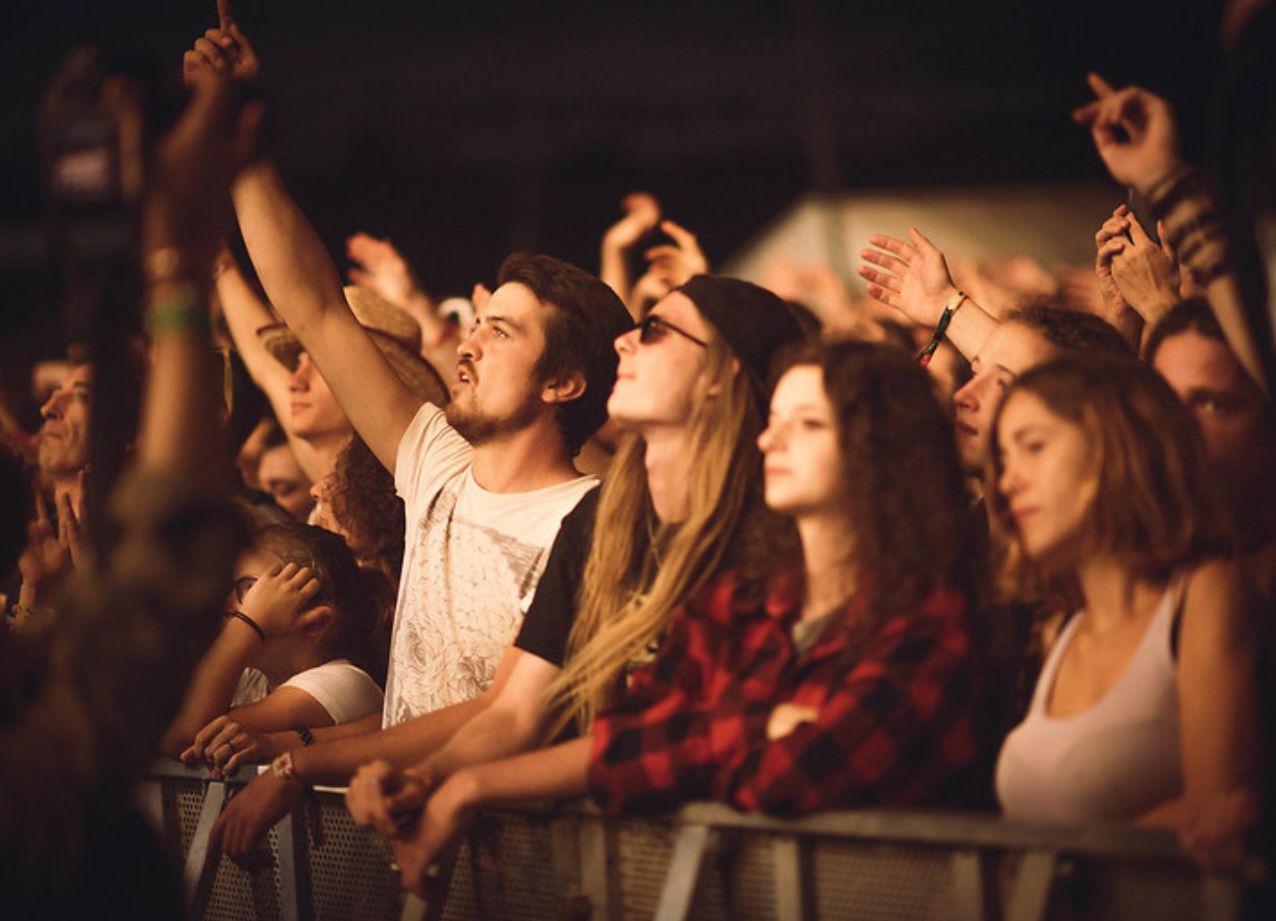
(485, 482)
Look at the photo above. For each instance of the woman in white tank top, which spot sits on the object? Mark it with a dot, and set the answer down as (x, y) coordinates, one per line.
(1145, 707)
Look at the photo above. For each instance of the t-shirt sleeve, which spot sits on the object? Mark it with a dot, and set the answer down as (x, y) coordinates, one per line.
(346, 691)
(430, 453)
(549, 620)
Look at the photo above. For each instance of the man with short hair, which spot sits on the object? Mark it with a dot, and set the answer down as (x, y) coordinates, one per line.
(485, 483)
(63, 442)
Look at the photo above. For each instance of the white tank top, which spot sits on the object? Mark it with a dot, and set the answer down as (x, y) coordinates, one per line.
(1112, 762)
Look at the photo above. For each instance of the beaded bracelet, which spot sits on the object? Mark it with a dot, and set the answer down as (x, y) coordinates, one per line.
(927, 353)
(307, 737)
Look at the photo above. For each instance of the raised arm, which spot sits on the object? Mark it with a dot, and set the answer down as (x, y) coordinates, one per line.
(912, 276)
(246, 313)
(302, 281)
(1136, 134)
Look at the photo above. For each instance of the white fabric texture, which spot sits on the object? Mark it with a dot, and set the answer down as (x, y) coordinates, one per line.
(1112, 762)
(471, 562)
(346, 691)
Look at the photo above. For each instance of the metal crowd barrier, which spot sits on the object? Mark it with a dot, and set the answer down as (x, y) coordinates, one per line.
(704, 862)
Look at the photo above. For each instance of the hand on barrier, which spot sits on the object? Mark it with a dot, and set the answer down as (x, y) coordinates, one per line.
(223, 745)
(911, 275)
(1214, 836)
(1134, 131)
(445, 816)
(240, 830)
(387, 799)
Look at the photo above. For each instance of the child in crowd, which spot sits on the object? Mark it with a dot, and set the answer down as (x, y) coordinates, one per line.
(1145, 707)
(854, 678)
(303, 645)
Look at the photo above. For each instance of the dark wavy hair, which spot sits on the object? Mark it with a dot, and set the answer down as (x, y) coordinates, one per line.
(903, 488)
(362, 497)
(585, 318)
(362, 598)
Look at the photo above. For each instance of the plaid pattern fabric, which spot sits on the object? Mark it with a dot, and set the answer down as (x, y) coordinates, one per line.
(894, 716)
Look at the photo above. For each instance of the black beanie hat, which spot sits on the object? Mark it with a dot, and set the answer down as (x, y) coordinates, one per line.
(751, 320)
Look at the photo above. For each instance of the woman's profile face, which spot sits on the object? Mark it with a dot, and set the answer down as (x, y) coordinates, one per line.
(661, 372)
(802, 459)
(1047, 474)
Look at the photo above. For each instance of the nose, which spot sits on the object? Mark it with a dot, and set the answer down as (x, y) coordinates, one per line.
(52, 408)
(967, 396)
(771, 438)
(1010, 481)
(626, 342)
(469, 348)
(300, 380)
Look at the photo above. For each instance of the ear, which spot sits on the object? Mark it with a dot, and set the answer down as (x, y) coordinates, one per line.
(316, 621)
(564, 389)
(715, 388)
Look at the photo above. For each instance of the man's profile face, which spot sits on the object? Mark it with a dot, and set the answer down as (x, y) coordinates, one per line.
(495, 388)
(1010, 350)
(1228, 408)
(64, 434)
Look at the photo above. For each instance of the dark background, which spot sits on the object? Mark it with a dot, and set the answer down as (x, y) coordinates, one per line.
(463, 132)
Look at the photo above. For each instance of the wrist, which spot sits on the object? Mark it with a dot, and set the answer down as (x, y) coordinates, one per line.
(466, 788)
(284, 768)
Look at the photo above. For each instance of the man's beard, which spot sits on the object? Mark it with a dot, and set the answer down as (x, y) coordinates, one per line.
(479, 428)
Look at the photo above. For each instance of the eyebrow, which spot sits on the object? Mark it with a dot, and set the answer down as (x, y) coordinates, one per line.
(497, 318)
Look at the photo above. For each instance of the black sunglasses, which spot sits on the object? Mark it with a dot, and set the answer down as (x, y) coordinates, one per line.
(653, 328)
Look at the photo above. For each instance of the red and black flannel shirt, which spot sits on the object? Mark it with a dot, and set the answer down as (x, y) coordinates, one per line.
(895, 720)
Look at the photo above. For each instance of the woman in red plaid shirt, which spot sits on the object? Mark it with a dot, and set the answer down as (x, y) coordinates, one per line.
(853, 679)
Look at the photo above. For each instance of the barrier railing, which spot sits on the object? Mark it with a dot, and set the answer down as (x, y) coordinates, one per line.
(705, 861)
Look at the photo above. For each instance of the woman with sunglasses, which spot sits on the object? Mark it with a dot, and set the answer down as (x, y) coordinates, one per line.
(1144, 710)
(681, 501)
(853, 677)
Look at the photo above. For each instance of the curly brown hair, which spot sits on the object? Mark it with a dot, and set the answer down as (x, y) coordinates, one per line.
(361, 494)
(903, 487)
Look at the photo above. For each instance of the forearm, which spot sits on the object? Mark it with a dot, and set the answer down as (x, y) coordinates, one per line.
(212, 687)
(969, 328)
(492, 734)
(558, 772)
(292, 263)
(1195, 232)
(334, 762)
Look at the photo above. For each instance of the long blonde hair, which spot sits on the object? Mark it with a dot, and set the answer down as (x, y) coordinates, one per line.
(636, 575)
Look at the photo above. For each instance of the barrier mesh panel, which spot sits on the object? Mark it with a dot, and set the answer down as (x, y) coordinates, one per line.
(644, 849)
(1130, 890)
(738, 882)
(879, 882)
(507, 868)
(350, 875)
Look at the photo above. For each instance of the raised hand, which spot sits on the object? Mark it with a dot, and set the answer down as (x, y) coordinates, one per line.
(1144, 274)
(1113, 237)
(379, 266)
(224, 50)
(224, 745)
(910, 275)
(279, 600)
(681, 260)
(642, 213)
(387, 799)
(1134, 131)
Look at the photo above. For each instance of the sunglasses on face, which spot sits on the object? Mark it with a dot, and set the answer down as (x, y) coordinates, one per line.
(653, 328)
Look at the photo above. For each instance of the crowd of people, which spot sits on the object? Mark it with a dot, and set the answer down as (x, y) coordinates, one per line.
(987, 539)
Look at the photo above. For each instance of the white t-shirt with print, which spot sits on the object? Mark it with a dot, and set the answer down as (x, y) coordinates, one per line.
(471, 562)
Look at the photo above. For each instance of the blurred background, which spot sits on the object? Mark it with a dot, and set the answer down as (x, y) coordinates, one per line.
(464, 131)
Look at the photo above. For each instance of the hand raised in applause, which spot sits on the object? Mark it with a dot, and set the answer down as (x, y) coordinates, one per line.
(910, 275)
